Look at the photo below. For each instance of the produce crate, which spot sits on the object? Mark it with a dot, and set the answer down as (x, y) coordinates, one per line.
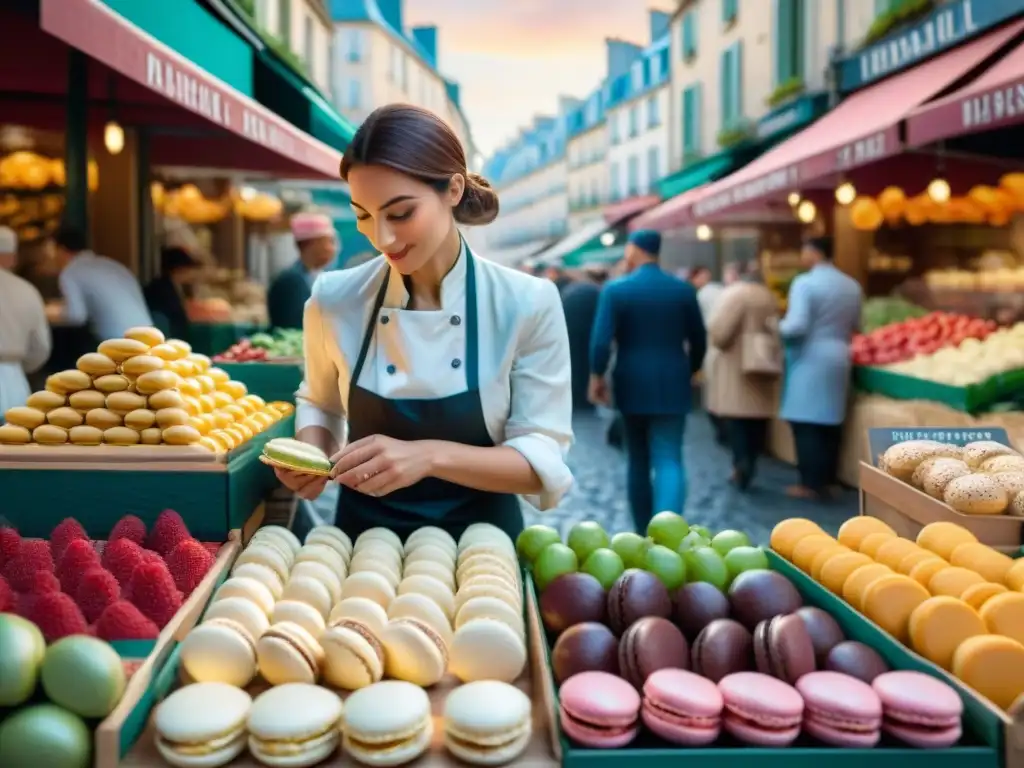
(272, 380)
(980, 747)
(116, 734)
(213, 338)
(970, 399)
(213, 497)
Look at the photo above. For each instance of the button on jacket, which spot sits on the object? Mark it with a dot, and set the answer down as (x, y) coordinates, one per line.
(523, 357)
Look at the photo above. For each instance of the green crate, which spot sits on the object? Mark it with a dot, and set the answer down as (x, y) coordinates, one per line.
(271, 381)
(973, 398)
(980, 749)
(213, 338)
(211, 502)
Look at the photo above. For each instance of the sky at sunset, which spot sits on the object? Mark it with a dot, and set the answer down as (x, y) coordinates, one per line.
(514, 57)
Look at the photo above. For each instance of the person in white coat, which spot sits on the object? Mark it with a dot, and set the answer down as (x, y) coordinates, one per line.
(438, 382)
(25, 341)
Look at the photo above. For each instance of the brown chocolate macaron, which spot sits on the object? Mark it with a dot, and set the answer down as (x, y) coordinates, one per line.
(648, 645)
(697, 605)
(723, 647)
(572, 598)
(857, 660)
(825, 632)
(635, 595)
(587, 647)
(760, 594)
(783, 648)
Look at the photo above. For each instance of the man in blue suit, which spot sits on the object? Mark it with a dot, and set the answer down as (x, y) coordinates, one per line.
(655, 324)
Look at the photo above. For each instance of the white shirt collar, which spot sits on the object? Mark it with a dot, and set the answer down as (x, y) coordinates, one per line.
(453, 285)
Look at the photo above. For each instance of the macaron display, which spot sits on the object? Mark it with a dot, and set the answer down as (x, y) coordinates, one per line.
(487, 722)
(682, 707)
(294, 725)
(202, 724)
(760, 710)
(599, 710)
(387, 723)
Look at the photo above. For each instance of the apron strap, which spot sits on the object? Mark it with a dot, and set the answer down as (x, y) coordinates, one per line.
(371, 324)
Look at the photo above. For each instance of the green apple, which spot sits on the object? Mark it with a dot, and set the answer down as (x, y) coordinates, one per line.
(84, 675)
(666, 565)
(631, 547)
(667, 529)
(703, 530)
(45, 735)
(22, 648)
(706, 564)
(532, 541)
(605, 565)
(585, 537)
(723, 541)
(740, 559)
(552, 562)
(692, 540)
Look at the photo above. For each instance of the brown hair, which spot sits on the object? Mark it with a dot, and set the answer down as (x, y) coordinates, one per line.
(418, 143)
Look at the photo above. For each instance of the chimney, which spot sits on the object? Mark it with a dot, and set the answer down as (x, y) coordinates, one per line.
(659, 24)
(621, 56)
(427, 39)
(391, 10)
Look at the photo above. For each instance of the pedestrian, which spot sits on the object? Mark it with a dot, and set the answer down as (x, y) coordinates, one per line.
(822, 317)
(166, 295)
(708, 292)
(747, 362)
(437, 381)
(579, 303)
(317, 241)
(653, 321)
(25, 341)
(97, 291)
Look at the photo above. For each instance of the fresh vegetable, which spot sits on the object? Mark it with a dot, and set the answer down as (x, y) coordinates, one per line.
(264, 346)
(897, 342)
(879, 312)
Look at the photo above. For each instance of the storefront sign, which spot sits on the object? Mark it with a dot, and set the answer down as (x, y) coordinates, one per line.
(949, 25)
(862, 151)
(992, 108)
(783, 180)
(881, 439)
(188, 91)
(793, 115)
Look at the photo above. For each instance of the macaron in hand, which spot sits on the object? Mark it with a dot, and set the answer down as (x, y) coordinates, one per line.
(202, 724)
(487, 722)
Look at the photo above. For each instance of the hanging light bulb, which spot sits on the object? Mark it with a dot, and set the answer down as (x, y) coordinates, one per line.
(794, 199)
(845, 193)
(607, 239)
(704, 232)
(939, 191)
(113, 137)
(806, 212)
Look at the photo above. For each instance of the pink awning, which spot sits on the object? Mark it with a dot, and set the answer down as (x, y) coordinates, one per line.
(91, 27)
(994, 100)
(861, 130)
(652, 219)
(623, 209)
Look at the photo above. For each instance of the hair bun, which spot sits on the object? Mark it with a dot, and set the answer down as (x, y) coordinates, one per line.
(479, 203)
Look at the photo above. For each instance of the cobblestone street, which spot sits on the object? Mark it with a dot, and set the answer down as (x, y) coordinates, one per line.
(600, 489)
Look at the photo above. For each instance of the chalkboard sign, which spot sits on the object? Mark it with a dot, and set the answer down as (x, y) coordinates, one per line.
(880, 440)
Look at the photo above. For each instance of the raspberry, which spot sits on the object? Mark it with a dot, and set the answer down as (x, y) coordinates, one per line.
(149, 556)
(45, 583)
(10, 545)
(167, 532)
(151, 589)
(57, 616)
(67, 530)
(96, 590)
(129, 527)
(39, 551)
(188, 564)
(213, 548)
(79, 557)
(21, 572)
(122, 621)
(7, 597)
(120, 557)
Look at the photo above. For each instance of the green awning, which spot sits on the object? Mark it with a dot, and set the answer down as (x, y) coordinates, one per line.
(606, 256)
(282, 89)
(698, 173)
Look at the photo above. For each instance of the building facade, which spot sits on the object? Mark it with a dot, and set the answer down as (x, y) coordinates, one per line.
(377, 60)
(302, 27)
(587, 158)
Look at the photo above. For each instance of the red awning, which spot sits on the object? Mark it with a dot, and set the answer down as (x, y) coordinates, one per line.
(861, 130)
(91, 27)
(653, 218)
(616, 212)
(994, 100)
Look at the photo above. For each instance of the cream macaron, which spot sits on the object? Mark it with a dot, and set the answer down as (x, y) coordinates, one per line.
(219, 651)
(413, 605)
(387, 724)
(429, 568)
(379, 534)
(306, 589)
(303, 614)
(370, 585)
(321, 573)
(241, 610)
(353, 655)
(487, 564)
(432, 588)
(323, 554)
(414, 651)
(361, 609)
(287, 653)
(487, 649)
(263, 574)
(280, 533)
(295, 725)
(431, 553)
(486, 607)
(266, 555)
(487, 587)
(499, 551)
(485, 533)
(202, 725)
(374, 564)
(430, 534)
(487, 722)
(250, 589)
(333, 537)
(375, 548)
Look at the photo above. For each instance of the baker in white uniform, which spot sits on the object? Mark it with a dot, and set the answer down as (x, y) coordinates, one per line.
(438, 381)
(24, 331)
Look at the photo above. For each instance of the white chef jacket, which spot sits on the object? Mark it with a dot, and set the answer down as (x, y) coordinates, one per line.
(524, 373)
(25, 341)
(103, 293)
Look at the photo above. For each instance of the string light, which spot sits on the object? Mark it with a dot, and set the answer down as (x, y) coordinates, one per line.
(939, 191)
(704, 232)
(846, 193)
(806, 212)
(113, 137)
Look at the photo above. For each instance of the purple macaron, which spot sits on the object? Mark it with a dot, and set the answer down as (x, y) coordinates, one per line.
(840, 710)
(761, 710)
(682, 708)
(919, 709)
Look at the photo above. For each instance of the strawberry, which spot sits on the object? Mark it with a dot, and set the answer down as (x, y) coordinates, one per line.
(57, 616)
(168, 530)
(122, 621)
(21, 571)
(96, 590)
(10, 544)
(8, 599)
(129, 527)
(67, 530)
(120, 557)
(151, 589)
(79, 557)
(188, 564)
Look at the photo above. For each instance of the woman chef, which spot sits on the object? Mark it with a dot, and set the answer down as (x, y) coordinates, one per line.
(451, 373)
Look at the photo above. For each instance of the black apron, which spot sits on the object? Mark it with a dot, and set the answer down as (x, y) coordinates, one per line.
(457, 418)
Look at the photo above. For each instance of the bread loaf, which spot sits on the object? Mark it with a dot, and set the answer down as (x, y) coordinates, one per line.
(23, 416)
(96, 364)
(120, 350)
(976, 494)
(13, 434)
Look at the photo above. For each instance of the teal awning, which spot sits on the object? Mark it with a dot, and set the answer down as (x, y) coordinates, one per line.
(698, 173)
(606, 256)
(282, 89)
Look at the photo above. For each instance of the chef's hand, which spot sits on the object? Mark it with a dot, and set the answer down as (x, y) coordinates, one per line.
(302, 484)
(378, 465)
(597, 392)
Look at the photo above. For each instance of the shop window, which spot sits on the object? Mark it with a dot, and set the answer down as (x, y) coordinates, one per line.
(731, 86)
(730, 10)
(653, 112)
(354, 45)
(355, 94)
(634, 176)
(790, 41)
(638, 75)
(689, 35)
(613, 129)
(284, 22)
(309, 43)
(615, 182)
(634, 120)
(691, 120)
(653, 166)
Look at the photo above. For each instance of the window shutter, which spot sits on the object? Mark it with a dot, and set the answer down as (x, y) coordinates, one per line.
(737, 81)
(695, 102)
(725, 87)
(783, 41)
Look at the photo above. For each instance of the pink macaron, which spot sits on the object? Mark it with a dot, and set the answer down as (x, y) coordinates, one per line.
(599, 710)
(682, 707)
(919, 710)
(840, 710)
(761, 710)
